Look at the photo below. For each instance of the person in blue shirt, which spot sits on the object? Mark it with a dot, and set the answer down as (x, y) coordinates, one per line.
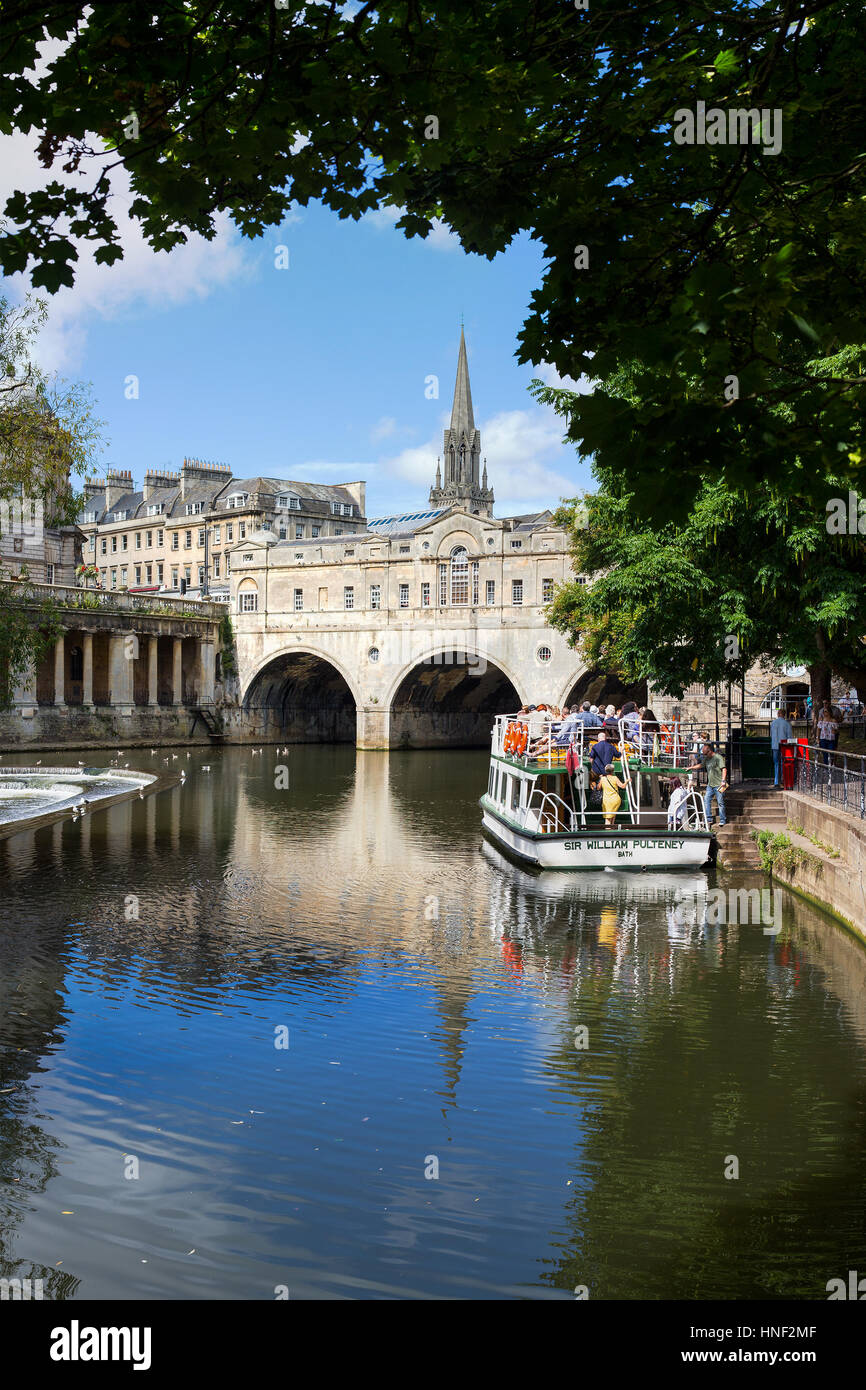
(780, 732)
(587, 717)
(602, 755)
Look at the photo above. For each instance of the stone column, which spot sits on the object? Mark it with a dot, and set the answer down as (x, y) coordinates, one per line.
(177, 672)
(207, 667)
(152, 658)
(120, 670)
(24, 694)
(60, 673)
(373, 728)
(87, 673)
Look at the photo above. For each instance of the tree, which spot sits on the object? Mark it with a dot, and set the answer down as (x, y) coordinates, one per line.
(748, 577)
(48, 435)
(48, 439)
(710, 265)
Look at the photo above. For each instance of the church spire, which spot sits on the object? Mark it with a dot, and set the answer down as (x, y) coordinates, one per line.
(460, 484)
(462, 419)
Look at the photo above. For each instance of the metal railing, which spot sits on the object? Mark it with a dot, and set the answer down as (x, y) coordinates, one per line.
(837, 779)
(69, 596)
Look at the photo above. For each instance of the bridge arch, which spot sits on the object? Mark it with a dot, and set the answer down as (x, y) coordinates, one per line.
(602, 688)
(448, 697)
(303, 696)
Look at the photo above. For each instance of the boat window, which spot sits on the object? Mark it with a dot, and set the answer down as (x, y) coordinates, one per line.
(515, 793)
(491, 779)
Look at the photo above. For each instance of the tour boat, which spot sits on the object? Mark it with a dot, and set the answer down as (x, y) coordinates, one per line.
(539, 808)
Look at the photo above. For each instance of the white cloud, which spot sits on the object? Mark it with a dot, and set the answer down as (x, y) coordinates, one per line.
(550, 376)
(143, 279)
(441, 238)
(384, 429)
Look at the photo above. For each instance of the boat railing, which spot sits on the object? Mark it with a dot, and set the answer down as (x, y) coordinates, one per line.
(552, 808)
(662, 745)
(513, 737)
(694, 815)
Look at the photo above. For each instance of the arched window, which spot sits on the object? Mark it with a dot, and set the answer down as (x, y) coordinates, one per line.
(459, 575)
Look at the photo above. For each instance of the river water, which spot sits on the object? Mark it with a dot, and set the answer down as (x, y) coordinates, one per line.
(292, 1028)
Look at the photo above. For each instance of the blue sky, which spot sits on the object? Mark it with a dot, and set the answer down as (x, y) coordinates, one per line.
(314, 372)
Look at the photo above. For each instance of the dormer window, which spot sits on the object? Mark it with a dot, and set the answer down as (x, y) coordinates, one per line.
(193, 508)
(237, 499)
(155, 508)
(91, 516)
(121, 516)
(335, 509)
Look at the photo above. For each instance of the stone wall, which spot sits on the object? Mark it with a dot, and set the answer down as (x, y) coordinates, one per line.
(50, 728)
(837, 884)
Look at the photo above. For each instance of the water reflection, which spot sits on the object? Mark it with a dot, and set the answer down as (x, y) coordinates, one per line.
(434, 997)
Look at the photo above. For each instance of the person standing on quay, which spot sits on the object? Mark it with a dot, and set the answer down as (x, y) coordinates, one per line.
(780, 732)
(717, 782)
(828, 729)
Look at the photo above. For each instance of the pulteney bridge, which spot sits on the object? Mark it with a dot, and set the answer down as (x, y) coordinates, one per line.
(412, 634)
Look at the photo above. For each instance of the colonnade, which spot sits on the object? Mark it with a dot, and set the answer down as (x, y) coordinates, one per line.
(124, 648)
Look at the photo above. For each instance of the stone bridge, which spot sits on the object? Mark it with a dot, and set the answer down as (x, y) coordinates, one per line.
(395, 686)
(406, 637)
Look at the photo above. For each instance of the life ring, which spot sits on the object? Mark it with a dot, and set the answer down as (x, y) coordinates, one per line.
(506, 742)
(666, 739)
(521, 740)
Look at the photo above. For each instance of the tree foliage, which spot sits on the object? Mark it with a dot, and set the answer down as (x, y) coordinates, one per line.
(750, 576)
(702, 262)
(48, 438)
(48, 434)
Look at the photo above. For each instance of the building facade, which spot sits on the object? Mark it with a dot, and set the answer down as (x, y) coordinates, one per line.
(176, 532)
(413, 631)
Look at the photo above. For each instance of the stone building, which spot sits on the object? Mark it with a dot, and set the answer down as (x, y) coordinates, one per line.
(182, 526)
(32, 548)
(411, 632)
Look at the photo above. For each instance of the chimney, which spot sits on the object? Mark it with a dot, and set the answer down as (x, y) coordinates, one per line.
(92, 486)
(118, 481)
(195, 472)
(359, 492)
(158, 480)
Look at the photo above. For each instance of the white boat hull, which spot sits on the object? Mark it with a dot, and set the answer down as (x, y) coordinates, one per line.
(602, 849)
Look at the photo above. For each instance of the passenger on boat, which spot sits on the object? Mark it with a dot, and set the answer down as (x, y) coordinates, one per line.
(552, 737)
(611, 724)
(631, 721)
(587, 714)
(570, 725)
(649, 729)
(611, 800)
(535, 721)
(601, 755)
(677, 804)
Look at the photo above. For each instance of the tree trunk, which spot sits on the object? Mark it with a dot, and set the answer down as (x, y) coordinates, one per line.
(819, 680)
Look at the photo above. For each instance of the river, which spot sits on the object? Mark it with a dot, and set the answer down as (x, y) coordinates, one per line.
(293, 1029)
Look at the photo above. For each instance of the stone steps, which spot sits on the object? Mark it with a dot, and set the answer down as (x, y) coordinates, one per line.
(748, 809)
